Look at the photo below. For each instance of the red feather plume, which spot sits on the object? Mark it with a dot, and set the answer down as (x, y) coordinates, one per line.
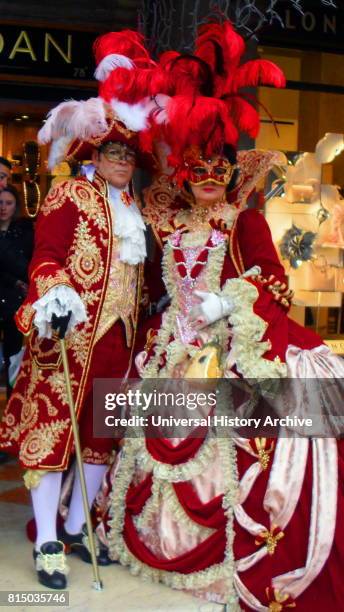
(127, 42)
(133, 85)
(206, 107)
(200, 122)
(255, 73)
(129, 84)
(214, 39)
(245, 116)
(211, 120)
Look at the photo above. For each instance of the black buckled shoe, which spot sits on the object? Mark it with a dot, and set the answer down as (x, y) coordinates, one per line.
(51, 565)
(78, 544)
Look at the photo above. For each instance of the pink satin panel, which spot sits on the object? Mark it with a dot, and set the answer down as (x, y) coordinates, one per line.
(286, 478)
(247, 596)
(168, 538)
(246, 562)
(323, 518)
(248, 480)
(210, 484)
(247, 522)
(306, 398)
(319, 362)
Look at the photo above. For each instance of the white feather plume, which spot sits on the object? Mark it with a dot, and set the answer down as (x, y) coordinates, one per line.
(134, 116)
(110, 63)
(74, 119)
(58, 151)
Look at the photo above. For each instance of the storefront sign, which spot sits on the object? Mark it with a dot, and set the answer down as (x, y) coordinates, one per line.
(46, 52)
(336, 346)
(319, 28)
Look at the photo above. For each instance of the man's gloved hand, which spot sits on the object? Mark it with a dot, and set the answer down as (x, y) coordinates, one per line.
(212, 308)
(60, 324)
(63, 302)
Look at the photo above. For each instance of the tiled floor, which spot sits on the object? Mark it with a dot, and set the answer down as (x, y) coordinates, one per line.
(122, 591)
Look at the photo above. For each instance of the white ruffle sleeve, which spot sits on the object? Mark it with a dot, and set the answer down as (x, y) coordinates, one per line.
(59, 301)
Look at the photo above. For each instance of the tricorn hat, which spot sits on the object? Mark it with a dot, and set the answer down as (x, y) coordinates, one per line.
(76, 127)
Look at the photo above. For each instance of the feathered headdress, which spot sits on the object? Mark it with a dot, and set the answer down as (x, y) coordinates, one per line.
(207, 106)
(193, 100)
(198, 99)
(76, 127)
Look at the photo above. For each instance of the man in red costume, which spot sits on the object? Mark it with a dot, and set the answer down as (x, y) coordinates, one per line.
(85, 278)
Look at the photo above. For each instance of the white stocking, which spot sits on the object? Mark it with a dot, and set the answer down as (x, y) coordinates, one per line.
(45, 500)
(76, 515)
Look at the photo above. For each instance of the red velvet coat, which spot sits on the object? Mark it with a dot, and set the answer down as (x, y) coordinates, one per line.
(73, 246)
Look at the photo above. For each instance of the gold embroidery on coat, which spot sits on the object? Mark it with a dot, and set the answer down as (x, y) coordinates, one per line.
(48, 357)
(119, 302)
(40, 442)
(94, 457)
(90, 297)
(56, 197)
(57, 384)
(85, 261)
(29, 415)
(85, 197)
(26, 314)
(79, 341)
(44, 283)
(52, 410)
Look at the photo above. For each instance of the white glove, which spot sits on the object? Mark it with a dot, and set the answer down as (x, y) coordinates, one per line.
(212, 308)
(58, 301)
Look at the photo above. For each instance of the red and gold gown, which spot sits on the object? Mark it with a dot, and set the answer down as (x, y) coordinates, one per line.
(252, 523)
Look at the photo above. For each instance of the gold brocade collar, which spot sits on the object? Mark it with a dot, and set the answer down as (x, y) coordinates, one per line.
(100, 184)
(218, 217)
(166, 211)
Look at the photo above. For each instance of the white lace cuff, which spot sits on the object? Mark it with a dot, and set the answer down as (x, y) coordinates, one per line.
(247, 345)
(59, 301)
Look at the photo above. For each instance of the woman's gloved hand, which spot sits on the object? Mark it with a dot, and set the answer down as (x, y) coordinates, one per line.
(212, 308)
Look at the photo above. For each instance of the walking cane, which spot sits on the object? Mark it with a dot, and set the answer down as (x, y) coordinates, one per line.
(59, 324)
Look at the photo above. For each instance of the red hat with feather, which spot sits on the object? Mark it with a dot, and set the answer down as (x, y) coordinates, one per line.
(75, 128)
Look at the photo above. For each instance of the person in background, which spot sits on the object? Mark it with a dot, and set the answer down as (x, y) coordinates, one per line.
(5, 172)
(16, 245)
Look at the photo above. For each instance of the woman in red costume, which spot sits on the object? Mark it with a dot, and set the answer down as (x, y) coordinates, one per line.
(252, 523)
